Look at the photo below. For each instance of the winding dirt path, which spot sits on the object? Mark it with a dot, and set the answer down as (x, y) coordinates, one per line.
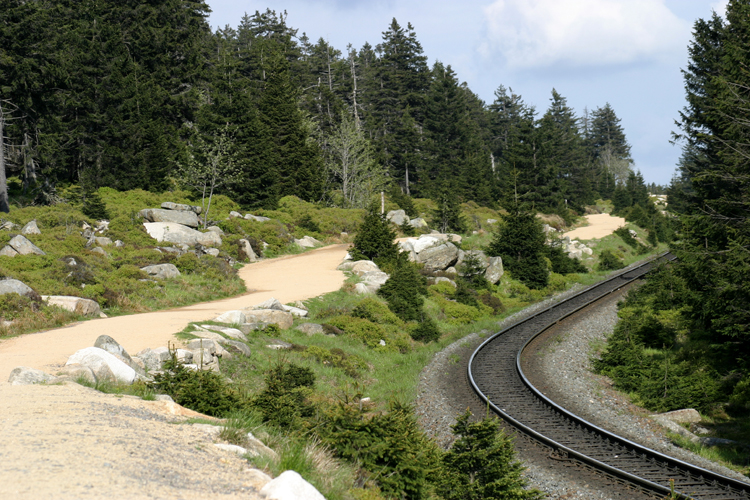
(288, 278)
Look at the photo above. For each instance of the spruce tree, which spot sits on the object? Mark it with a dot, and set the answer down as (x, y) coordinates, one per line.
(375, 239)
(520, 241)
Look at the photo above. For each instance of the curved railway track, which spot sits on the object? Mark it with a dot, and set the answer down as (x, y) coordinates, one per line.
(496, 375)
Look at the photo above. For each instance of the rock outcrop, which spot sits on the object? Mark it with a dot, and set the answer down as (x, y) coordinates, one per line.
(177, 234)
(78, 305)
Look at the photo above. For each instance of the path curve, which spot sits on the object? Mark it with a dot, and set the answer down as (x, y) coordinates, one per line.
(288, 278)
(600, 225)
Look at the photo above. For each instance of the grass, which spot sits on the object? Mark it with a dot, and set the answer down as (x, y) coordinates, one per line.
(735, 457)
(139, 388)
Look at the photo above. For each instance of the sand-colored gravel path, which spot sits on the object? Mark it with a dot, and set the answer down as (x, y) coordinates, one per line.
(600, 225)
(288, 278)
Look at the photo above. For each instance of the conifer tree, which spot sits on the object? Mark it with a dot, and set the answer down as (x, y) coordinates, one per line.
(375, 239)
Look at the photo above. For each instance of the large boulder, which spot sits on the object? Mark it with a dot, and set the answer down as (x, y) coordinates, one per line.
(423, 242)
(232, 333)
(290, 486)
(104, 365)
(161, 271)
(30, 228)
(22, 245)
(75, 372)
(494, 271)
(78, 305)
(23, 375)
(184, 217)
(307, 242)
(113, 347)
(439, 257)
(14, 286)
(7, 251)
(179, 234)
(408, 247)
(363, 266)
(398, 217)
(232, 317)
(311, 328)
(168, 205)
(283, 319)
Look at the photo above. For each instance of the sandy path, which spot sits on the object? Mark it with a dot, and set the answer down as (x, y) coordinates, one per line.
(600, 225)
(288, 278)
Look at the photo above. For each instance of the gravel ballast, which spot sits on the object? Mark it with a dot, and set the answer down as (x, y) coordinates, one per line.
(563, 368)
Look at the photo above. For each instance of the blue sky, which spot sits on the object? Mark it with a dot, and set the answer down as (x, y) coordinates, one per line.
(625, 52)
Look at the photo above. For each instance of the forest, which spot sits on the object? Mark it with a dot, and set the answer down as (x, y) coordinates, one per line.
(144, 95)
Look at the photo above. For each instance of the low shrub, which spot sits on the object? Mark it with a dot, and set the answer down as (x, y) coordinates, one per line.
(608, 261)
(373, 310)
(425, 331)
(285, 400)
(203, 391)
(348, 363)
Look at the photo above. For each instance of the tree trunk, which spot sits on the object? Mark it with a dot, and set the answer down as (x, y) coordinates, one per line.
(4, 205)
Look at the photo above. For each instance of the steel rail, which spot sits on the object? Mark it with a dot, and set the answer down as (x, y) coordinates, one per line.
(736, 489)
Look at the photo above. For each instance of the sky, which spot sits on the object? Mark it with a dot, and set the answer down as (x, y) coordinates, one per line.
(628, 53)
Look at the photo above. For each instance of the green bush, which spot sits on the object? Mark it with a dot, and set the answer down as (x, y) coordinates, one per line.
(375, 311)
(203, 391)
(13, 305)
(608, 261)
(561, 263)
(285, 400)
(374, 240)
(425, 331)
(363, 329)
(443, 288)
(481, 464)
(404, 291)
(390, 447)
(349, 363)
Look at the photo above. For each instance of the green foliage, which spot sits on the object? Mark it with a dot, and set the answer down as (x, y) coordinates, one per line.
(404, 292)
(447, 217)
(375, 239)
(425, 331)
(285, 400)
(519, 240)
(94, 207)
(203, 391)
(561, 263)
(608, 261)
(481, 464)
(373, 310)
(352, 365)
(465, 295)
(629, 240)
(389, 446)
(13, 305)
(472, 271)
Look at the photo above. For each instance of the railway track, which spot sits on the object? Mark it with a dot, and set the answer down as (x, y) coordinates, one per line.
(496, 376)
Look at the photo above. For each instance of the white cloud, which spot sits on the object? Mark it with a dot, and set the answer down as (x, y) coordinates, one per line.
(720, 7)
(580, 33)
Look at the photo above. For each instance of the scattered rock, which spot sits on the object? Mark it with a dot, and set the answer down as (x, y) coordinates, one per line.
(494, 271)
(103, 364)
(283, 319)
(277, 344)
(681, 416)
(184, 356)
(398, 217)
(441, 279)
(418, 223)
(290, 486)
(296, 311)
(424, 242)
(233, 333)
(215, 229)
(14, 286)
(271, 303)
(8, 251)
(311, 328)
(361, 267)
(257, 218)
(154, 358)
(22, 245)
(100, 251)
(184, 217)
(78, 305)
(179, 234)
(24, 375)
(75, 372)
(408, 247)
(30, 228)
(231, 317)
(110, 345)
(246, 251)
(438, 257)
(307, 242)
(235, 215)
(256, 447)
(168, 205)
(213, 252)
